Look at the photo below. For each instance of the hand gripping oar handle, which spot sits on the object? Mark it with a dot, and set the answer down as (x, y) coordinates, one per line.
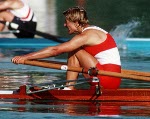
(55, 65)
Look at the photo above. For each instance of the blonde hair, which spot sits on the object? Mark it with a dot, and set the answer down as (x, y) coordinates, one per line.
(76, 14)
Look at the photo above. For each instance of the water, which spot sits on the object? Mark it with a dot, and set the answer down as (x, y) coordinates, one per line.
(123, 19)
(12, 76)
(47, 109)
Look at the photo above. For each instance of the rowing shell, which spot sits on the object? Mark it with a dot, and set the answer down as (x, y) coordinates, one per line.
(78, 95)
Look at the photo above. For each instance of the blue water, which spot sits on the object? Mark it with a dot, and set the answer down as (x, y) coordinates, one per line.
(27, 115)
(135, 56)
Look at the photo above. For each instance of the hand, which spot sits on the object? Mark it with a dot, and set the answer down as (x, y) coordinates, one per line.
(18, 59)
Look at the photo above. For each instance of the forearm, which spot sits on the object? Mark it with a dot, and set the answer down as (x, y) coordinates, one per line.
(44, 53)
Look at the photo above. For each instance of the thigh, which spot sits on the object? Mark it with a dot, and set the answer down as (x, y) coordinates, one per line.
(85, 59)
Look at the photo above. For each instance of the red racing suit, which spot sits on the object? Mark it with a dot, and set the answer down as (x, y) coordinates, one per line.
(108, 57)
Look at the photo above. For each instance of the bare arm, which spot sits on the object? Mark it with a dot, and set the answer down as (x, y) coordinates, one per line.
(11, 4)
(69, 46)
(86, 38)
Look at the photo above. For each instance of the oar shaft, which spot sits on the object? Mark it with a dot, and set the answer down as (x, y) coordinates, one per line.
(123, 71)
(123, 75)
(9, 32)
(53, 65)
(136, 72)
(79, 69)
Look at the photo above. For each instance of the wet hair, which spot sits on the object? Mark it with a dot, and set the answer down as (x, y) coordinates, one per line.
(77, 14)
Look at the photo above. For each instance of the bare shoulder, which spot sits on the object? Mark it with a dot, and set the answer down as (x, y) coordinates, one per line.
(80, 39)
(94, 36)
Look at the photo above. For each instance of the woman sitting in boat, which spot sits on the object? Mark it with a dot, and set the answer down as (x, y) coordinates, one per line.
(90, 47)
(17, 15)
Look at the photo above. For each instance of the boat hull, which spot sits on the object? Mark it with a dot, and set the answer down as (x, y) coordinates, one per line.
(80, 95)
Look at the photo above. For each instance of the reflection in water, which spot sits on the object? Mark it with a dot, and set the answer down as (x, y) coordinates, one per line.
(79, 108)
(1, 54)
(12, 82)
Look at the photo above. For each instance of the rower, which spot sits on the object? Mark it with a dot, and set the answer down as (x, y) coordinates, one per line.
(16, 14)
(91, 46)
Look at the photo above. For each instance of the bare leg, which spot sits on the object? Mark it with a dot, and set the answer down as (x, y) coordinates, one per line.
(80, 58)
(72, 61)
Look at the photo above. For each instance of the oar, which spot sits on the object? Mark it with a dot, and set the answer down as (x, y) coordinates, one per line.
(10, 31)
(60, 66)
(39, 33)
(49, 36)
(147, 74)
(124, 71)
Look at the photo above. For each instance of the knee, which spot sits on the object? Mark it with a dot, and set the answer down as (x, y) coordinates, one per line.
(6, 16)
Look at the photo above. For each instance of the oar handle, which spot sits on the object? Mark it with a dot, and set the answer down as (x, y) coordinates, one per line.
(60, 66)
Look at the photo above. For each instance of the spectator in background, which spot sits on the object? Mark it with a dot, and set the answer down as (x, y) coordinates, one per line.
(17, 15)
